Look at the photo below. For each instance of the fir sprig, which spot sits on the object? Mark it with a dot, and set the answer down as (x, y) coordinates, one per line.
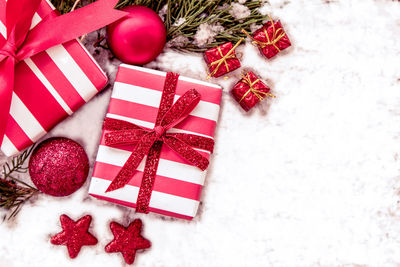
(197, 12)
(193, 13)
(13, 191)
(153, 4)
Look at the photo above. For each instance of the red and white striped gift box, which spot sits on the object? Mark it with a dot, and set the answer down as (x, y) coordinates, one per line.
(136, 97)
(48, 87)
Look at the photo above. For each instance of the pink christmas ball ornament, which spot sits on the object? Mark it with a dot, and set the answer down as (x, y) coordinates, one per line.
(139, 37)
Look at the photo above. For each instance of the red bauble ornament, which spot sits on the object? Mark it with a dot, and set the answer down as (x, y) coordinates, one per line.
(127, 240)
(59, 166)
(75, 235)
(139, 37)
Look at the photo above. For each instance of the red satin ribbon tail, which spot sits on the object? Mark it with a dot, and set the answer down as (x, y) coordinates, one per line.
(6, 85)
(19, 14)
(129, 168)
(187, 152)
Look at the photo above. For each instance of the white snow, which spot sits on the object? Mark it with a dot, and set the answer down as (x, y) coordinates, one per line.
(239, 11)
(179, 41)
(311, 178)
(163, 12)
(205, 34)
(179, 22)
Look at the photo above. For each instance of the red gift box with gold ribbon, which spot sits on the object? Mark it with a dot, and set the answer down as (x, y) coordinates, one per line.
(250, 90)
(222, 59)
(271, 38)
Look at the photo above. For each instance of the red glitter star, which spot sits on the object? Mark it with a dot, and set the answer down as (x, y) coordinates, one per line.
(75, 235)
(127, 240)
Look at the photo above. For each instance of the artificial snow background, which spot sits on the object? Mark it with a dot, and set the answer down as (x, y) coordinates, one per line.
(311, 178)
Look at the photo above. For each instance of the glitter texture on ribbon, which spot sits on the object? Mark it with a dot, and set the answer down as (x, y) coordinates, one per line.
(149, 142)
(162, 115)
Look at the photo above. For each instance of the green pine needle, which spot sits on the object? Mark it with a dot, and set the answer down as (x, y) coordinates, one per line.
(193, 13)
(14, 192)
(215, 12)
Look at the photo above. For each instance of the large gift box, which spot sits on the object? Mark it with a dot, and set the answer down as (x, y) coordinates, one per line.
(48, 86)
(135, 105)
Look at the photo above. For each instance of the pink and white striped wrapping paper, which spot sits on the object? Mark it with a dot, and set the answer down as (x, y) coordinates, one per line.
(136, 97)
(48, 87)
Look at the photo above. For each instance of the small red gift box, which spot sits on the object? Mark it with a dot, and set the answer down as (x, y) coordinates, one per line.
(270, 38)
(222, 59)
(250, 90)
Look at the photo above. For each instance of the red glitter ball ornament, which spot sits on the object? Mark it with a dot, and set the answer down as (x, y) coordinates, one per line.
(127, 240)
(59, 166)
(139, 37)
(75, 235)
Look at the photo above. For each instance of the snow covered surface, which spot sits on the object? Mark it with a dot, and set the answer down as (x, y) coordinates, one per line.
(311, 178)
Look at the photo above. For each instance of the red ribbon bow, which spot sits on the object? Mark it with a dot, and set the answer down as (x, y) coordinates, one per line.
(22, 43)
(149, 142)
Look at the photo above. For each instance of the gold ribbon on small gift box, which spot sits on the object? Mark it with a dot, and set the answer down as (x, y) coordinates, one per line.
(277, 35)
(259, 94)
(223, 59)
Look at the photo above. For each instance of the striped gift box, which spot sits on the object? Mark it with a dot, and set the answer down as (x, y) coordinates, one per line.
(136, 98)
(48, 87)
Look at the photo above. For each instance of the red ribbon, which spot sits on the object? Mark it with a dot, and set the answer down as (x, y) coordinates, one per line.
(22, 43)
(149, 142)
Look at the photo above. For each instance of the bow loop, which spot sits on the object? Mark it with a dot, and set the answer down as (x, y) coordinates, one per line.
(181, 109)
(195, 141)
(114, 124)
(19, 15)
(187, 152)
(119, 137)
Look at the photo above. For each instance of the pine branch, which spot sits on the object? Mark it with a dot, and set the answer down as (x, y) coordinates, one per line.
(213, 13)
(14, 192)
(153, 4)
(193, 13)
(65, 6)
